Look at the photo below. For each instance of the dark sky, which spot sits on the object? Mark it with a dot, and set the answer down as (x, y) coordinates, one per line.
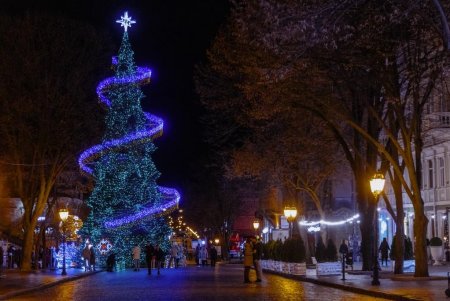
(170, 37)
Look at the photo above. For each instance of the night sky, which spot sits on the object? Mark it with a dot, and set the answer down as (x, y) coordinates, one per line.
(170, 37)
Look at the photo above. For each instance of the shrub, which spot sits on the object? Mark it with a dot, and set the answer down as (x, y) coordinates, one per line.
(435, 242)
(320, 250)
(300, 252)
(409, 253)
(278, 250)
(292, 250)
(331, 251)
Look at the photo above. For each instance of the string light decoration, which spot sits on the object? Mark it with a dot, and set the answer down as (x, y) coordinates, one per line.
(324, 222)
(104, 246)
(127, 206)
(73, 255)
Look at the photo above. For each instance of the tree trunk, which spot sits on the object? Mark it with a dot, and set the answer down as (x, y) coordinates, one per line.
(399, 252)
(420, 245)
(27, 248)
(367, 240)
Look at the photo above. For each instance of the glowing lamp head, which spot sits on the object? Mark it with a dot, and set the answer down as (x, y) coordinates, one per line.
(377, 183)
(63, 214)
(216, 241)
(290, 213)
(256, 224)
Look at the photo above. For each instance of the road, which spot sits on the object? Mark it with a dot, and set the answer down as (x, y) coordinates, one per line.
(224, 282)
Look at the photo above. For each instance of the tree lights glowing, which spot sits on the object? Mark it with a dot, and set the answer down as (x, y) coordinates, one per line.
(126, 204)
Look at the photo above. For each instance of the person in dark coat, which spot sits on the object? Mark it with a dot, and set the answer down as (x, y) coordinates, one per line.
(92, 258)
(111, 262)
(86, 257)
(159, 257)
(197, 255)
(1, 261)
(384, 249)
(149, 253)
(213, 255)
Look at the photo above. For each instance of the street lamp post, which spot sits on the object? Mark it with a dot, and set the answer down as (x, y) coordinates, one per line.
(256, 225)
(64, 214)
(376, 186)
(290, 213)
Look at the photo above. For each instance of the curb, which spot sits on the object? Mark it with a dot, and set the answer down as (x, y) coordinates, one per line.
(344, 287)
(44, 286)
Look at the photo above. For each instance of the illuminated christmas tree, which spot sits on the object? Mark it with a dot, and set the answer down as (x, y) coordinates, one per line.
(127, 205)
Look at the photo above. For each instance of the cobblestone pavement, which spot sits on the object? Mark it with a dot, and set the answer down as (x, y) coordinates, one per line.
(224, 282)
(430, 288)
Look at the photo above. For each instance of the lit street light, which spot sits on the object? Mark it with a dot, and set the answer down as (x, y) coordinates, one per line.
(376, 186)
(290, 213)
(256, 225)
(64, 214)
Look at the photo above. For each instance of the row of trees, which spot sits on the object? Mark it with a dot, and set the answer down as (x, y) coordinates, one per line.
(49, 67)
(289, 83)
(293, 250)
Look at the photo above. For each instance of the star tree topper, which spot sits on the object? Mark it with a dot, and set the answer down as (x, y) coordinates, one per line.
(125, 21)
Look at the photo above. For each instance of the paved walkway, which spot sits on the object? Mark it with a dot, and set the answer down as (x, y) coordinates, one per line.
(14, 282)
(403, 287)
(395, 287)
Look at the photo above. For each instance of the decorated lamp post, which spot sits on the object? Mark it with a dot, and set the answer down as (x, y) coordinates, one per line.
(64, 214)
(376, 186)
(290, 213)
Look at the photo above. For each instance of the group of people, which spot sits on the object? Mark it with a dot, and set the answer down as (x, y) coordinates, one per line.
(177, 256)
(88, 255)
(383, 249)
(202, 254)
(252, 258)
(154, 257)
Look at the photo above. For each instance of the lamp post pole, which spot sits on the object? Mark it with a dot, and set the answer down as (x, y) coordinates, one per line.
(64, 214)
(376, 186)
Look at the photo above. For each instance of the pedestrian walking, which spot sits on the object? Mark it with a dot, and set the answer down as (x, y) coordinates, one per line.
(159, 257)
(136, 257)
(11, 252)
(257, 256)
(92, 258)
(213, 256)
(248, 259)
(1, 261)
(203, 256)
(343, 248)
(174, 255)
(86, 257)
(149, 254)
(197, 255)
(111, 262)
(384, 249)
